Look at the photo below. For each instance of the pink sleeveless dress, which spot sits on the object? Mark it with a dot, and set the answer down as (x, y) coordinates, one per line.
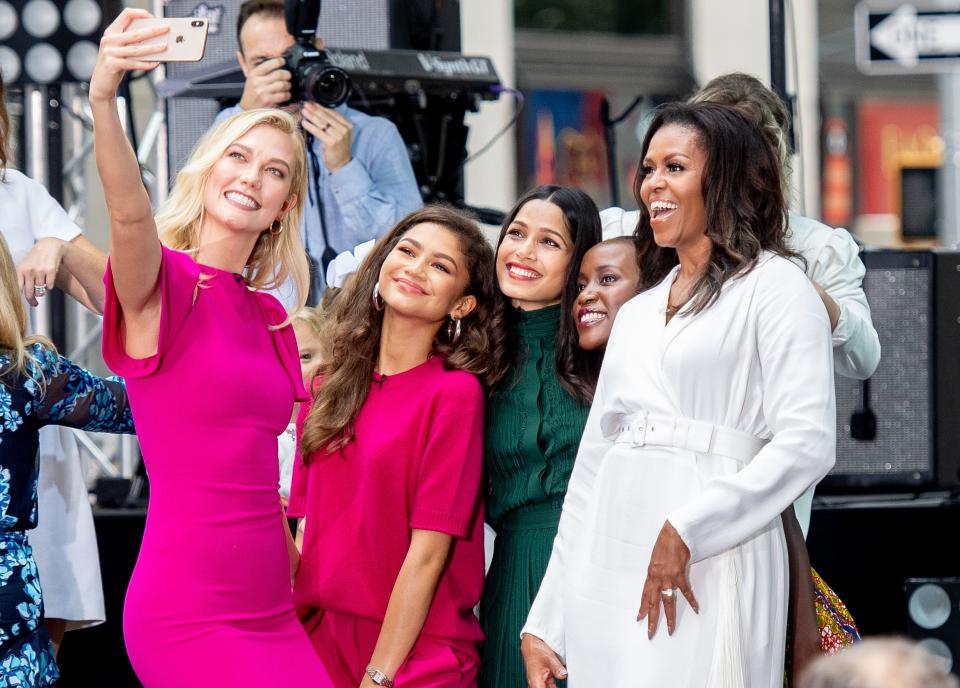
(210, 602)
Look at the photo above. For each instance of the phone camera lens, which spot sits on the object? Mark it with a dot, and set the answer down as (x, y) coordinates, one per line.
(197, 23)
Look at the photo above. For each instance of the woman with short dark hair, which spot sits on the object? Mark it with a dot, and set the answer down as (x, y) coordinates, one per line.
(713, 412)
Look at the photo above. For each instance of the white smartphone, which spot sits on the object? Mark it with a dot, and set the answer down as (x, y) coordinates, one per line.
(185, 41)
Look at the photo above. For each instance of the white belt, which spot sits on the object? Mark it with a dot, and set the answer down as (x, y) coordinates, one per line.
(652, 429)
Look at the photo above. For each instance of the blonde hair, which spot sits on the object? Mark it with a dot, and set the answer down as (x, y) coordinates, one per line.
(275, 257)
(311, 317)
(316, 317)
(13, 325)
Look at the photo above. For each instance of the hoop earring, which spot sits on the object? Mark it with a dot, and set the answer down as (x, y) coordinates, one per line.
(453, 330)
(377, 299)
(276, 228)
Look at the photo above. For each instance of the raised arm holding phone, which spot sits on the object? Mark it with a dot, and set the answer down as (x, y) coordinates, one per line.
(209, 602)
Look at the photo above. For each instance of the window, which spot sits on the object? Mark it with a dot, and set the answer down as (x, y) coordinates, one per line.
(610, 16)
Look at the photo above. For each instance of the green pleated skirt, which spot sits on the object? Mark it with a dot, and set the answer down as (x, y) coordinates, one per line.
(520, 555)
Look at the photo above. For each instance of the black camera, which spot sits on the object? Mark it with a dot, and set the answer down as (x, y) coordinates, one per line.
(314, 77)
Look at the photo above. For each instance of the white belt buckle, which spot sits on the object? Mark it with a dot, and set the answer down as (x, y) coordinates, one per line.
(638, 432)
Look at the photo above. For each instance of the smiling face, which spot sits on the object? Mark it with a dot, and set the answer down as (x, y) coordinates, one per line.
(534, 255)
(426, 274)
(608, 278)
(672, 188)
(249, 186)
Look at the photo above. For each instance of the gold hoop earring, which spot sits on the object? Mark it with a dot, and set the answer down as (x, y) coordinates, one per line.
(377, 299)
(276, 228)
(453, 330)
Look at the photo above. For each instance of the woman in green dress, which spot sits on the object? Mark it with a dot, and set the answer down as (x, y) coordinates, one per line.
(536, 413)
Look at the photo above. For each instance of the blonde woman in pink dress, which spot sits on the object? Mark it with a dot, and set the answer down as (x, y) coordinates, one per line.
(212, 373)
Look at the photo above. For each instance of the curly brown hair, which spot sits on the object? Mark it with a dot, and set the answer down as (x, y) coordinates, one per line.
(746, 212)
(351, 336)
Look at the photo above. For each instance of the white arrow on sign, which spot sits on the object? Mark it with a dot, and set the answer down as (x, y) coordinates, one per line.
(906, 37)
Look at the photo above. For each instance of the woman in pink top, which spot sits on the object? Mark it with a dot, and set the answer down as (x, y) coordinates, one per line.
(391, 451)
(212, 374)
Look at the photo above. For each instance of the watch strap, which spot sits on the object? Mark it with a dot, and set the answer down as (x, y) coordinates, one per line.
(379, 677)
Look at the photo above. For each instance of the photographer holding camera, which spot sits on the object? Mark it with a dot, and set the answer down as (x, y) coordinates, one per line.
(360, 178)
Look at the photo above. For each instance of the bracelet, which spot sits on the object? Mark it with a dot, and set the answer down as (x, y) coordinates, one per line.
(378, 677)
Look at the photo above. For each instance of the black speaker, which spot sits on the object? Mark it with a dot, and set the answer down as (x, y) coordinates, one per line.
(933, 616)
(947, 357)
(900, 287)
(913, 399)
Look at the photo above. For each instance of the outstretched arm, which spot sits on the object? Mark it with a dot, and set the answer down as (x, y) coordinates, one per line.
(81, 275)
(75, 266)
(134, 247)
(76, 398)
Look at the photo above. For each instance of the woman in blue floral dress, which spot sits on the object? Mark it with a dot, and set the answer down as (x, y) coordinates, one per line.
(38, 387)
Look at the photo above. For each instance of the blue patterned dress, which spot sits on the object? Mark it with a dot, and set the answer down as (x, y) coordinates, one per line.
(68, 396)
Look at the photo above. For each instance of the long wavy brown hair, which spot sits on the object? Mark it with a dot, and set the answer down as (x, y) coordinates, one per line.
(4, 130)
(576, 369)
(352, 331)
(746, 213)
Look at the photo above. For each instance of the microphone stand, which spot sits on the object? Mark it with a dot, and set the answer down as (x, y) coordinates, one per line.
(610, 138)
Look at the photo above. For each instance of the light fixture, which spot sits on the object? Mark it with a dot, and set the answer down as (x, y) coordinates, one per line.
(82, 17)
(9, 64)
(43, 63)
(81, 59)
(8, 20)
(50, 41)
(933, 617)
(929, 606)
(40, 18)
(940, 650)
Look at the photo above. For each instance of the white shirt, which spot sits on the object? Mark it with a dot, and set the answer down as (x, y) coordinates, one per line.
(833, 262)
(28, 213)
(757, 361)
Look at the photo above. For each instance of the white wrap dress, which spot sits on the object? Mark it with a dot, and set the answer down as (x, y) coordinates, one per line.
(716, 422)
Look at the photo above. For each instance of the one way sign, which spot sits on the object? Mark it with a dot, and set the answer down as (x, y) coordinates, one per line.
(907, 39)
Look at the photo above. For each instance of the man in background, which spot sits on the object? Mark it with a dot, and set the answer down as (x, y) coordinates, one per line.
(360, 181)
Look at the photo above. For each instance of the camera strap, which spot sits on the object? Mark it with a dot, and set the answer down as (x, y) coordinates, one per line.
(318, 271)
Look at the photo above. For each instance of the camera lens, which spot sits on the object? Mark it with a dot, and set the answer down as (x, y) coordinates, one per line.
(196, 23)
(329, 86)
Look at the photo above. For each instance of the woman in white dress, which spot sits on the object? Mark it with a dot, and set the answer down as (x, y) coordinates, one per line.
(42, 240)
(714, 412)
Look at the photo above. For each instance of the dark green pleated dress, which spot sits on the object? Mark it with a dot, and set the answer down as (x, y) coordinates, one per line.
(533, 429)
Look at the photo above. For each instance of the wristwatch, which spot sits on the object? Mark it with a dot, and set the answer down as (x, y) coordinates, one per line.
(378, 677)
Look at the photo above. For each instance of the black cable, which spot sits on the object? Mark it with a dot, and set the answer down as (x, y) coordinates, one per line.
(518, 109)
(520, 100)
